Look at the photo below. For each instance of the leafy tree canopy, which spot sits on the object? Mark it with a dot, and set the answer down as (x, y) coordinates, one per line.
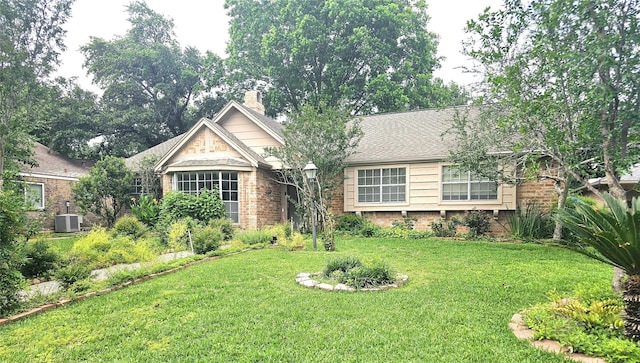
(562, 85)
(31, 37)
(363, 56)
(150, 83)
(105, 191)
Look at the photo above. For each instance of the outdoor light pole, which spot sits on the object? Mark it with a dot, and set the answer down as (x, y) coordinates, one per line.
(311, 170)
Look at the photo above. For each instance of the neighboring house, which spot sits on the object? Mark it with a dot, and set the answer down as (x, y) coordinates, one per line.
(48, 185)
(399, 170)
(630, 182)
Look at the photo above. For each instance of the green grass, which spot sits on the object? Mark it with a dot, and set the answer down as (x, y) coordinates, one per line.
(248, 307)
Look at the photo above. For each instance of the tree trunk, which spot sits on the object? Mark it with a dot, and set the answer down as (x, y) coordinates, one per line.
(616, 191)
(563, 193)
(632, 308)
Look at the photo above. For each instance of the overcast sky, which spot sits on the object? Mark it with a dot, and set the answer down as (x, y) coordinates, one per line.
(203, 24)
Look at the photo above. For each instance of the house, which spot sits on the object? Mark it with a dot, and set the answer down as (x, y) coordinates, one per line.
(630, 182)
(49, 183)
(400, 169)
(228, 152)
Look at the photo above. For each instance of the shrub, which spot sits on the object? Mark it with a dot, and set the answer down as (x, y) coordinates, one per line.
(130, 226)
(177, 234)
(92, 247)
(342, 264)
(370, 275)
(255, 237)
(350, 222)
(444, 228)
(352, 271)
(530, 222)
(41, 259)
(99, 249)
(12, 225)
(226, 227)
(202, 207)
(477, 222)
(146, 209)
(207, 238)
(407, 223)
(76, 271)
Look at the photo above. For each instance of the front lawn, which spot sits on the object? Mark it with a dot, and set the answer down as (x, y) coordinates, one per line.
(248, 307)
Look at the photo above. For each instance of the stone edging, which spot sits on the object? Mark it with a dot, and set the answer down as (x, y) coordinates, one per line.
(522, 332)
(64, 302)
(305, 279)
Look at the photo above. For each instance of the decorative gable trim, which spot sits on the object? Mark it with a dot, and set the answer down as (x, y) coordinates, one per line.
(242, 109)
(202, 123)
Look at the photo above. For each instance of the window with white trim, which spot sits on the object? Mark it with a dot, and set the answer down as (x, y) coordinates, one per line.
(458, 184)
(226, 182)
(34, 195)
(385, 185)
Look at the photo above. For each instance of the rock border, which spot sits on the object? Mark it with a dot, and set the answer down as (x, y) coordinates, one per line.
(522, 332)
(306, 279)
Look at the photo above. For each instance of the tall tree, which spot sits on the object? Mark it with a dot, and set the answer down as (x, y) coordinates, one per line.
(72, 120)
(563, 80)
(326, 138)
(562, 86)
(31, 37)
(149, 82)
(365, 56)
(106, 190)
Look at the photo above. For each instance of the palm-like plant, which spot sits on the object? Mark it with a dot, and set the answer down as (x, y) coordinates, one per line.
(613, 233)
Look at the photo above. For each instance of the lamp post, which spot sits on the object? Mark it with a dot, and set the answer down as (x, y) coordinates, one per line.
(311, 170)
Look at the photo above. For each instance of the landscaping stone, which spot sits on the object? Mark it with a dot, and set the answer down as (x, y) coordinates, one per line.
(324, 286)
(522, 332)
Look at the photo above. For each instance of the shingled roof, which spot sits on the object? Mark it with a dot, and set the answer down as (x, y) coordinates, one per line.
(52, 164)
(406, 136)
(158, 151)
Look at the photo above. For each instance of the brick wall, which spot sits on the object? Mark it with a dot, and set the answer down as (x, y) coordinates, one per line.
(260, 199)
(56, 193)
(541, 192)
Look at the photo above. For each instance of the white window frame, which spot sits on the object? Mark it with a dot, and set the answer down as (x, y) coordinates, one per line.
(231, 206)
(27, 190)
(380, 185)
(469, 183)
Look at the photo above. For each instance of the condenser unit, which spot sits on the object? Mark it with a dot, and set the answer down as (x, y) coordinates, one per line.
(68, 223)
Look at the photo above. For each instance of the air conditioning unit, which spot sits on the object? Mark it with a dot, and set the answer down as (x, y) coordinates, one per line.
(68, 223)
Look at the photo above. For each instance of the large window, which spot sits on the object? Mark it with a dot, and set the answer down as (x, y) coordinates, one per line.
(34, 195)
(458, 184)
(225, 181)
(382, 185)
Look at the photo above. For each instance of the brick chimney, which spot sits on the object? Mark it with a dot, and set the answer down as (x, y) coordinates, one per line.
(253, 100)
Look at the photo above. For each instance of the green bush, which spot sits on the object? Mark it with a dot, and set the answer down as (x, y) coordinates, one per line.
(442, 228)
(202, 207)
(177, 234)
(146, 209)
(99, 249)
(530, 222)
(350, 222)
(407, 223)
(255, 237)
(350, 270)
(207, 238)
(226, 227)
(130, 226)
(590, 322)
(41, 259)
(369, 275)
(478, 222)
(401, 232)
(12, 224)
(341, 263)
(71, 274)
